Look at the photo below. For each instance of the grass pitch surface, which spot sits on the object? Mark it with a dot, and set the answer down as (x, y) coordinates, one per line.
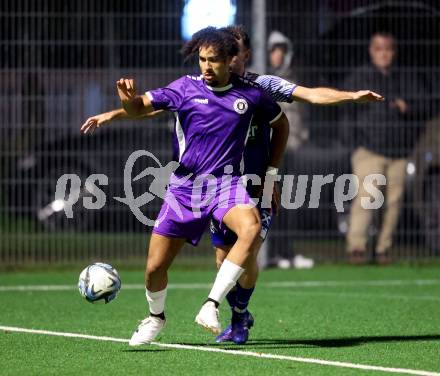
(376, 317)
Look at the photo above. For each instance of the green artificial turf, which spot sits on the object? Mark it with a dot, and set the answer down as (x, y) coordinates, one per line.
(338, 317)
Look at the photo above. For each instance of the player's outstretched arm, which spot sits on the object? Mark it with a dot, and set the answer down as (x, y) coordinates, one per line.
(282, 90)
(126, 90)
(99, 120)
(134, 105)
(327, 96)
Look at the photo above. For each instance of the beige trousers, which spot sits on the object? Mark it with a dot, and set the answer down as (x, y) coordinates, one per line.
(365, 162)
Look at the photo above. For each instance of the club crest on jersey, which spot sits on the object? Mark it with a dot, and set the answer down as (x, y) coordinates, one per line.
(240, 106)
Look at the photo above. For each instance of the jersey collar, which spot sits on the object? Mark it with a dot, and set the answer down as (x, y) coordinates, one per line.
(223, 88)
(218, 89)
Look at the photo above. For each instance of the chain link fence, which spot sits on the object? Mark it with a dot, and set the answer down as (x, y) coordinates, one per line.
(59, 63)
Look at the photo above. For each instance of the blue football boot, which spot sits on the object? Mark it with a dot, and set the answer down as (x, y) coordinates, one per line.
(241, 323)
(225, 336)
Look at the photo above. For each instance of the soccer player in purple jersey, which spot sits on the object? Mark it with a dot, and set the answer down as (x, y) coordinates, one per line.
(280, 90)
(213, 113)
(256, 161)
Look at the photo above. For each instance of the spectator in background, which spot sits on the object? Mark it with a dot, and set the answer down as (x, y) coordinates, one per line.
(383, 136)
(281, 64)
(280, 58)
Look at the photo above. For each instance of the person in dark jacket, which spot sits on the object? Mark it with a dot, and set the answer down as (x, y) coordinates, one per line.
(383, 136)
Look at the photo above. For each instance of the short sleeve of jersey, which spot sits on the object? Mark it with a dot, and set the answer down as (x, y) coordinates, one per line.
(279, 89)
(169, 97)
(271, 111)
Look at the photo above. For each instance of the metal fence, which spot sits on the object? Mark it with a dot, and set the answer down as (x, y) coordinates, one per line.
(59, 63)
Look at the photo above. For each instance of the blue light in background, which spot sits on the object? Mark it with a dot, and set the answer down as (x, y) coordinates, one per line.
(198, 14)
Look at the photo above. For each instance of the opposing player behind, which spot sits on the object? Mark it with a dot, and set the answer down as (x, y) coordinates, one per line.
(258, 160)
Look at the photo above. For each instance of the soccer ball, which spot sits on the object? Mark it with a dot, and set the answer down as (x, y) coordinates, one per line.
(99, 282)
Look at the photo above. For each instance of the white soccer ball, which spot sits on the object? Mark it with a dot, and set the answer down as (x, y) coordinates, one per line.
(99, 282)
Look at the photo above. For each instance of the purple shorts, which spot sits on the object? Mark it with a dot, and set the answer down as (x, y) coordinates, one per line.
(188, 208)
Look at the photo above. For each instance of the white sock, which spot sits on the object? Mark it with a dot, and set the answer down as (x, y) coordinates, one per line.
(156, 300)
(227, 277)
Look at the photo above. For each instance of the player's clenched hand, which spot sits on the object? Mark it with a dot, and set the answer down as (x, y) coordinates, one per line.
(364, 96)
(126, 89)
(93, 123)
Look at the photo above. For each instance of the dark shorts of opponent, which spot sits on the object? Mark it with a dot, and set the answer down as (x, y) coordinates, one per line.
(224, 236)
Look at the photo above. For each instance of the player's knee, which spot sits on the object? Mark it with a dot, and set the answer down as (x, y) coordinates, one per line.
(250, 229)
(255, 230)
(155, 269)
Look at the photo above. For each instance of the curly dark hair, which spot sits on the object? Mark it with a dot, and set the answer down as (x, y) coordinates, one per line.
(224, 43)
(239, 33)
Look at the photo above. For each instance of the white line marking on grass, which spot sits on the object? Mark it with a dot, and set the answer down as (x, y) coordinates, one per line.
(22, 288)
(362, 295)
(61, 334)
(386, 282)
(203, 286)
(232, 352)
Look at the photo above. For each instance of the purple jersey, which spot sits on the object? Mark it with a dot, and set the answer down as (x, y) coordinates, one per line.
(256, 154)
(212, 123)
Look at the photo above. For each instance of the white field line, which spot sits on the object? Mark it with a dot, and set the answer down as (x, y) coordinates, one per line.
(232, 352)
(360, 295)
(203, 286)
